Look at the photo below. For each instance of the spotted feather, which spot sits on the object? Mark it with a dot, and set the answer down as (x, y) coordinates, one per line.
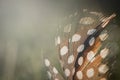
(81, 54)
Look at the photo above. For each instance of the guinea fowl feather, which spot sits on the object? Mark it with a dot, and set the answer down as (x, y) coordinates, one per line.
(81, 54)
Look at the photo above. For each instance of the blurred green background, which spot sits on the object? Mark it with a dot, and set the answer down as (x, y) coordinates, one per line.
(28, 29)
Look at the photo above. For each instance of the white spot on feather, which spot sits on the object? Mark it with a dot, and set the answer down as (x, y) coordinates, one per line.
(79, 75)
(55, 70)
(76, 37)
(47, 62)
(90, 56)
(86, 20)
(69, 40)
(67, 72)
(91, 31)
(63, 50)
(97, 14)
(56, 79)
(91, 41)
(104, 52)
(49, 74)
(57, 40)
(90, 73)
(103, 79)
(103, 36)
(80, 61)
(103, 68)
(80, 48)
(70, 59)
